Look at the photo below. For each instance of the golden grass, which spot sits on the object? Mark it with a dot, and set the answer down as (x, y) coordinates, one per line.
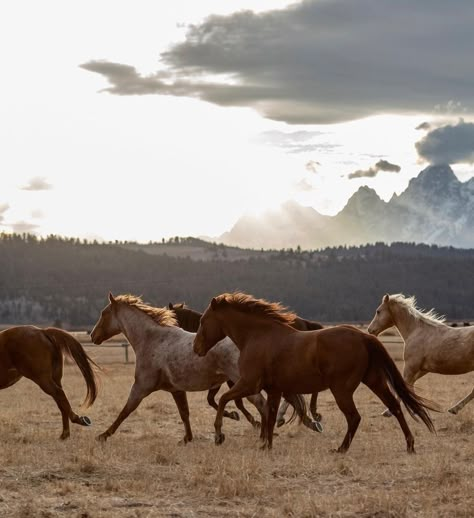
(142, 471)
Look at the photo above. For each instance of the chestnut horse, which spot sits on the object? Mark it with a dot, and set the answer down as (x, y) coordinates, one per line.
(188, 319)
(277, 358)
(165, 359)
(430, 344)
(38, 354)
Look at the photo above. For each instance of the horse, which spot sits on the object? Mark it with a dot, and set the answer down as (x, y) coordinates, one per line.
(277, 358)
(430, 344)
(38, 354)
(164, 358)
(188, 319)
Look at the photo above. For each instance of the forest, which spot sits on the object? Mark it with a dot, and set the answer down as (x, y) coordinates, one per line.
(65, 281)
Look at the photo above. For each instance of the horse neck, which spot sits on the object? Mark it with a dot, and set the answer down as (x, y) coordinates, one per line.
(405, 321)
(243, 328)
(134, 324)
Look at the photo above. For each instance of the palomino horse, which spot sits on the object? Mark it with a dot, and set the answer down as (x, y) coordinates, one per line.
(278, 358)
(430, 344)
(164, 357)
(38, 354)
(188, 319)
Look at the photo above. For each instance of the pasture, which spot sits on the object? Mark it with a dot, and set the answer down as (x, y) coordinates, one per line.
(143, 471)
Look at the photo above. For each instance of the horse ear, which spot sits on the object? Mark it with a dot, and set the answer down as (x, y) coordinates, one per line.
(386, 298)
(111, 298)
(170, 305)
(213, 303)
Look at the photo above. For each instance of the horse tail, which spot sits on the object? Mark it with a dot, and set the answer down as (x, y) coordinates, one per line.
(68, 345)
(300, 409)
(416, 405)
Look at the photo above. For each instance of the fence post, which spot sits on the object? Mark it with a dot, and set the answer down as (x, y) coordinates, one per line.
(125, 345)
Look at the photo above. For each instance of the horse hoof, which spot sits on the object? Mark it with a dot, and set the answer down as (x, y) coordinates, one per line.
(234, 415)
(280, 422)
(64, 436)
(317, 417)
(85, 421)
(316, 426)
(387, 413)
(257, 425)
(452, 411)
(102, 437)
(219, 438)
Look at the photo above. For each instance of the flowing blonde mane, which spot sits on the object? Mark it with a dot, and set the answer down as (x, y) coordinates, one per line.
(409, 303)
(249, 304)
(162, 316)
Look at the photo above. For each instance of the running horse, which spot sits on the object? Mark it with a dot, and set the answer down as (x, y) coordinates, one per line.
(430, 344)
(188, 319)
(38, 354)
(165, 359)
(277, 358)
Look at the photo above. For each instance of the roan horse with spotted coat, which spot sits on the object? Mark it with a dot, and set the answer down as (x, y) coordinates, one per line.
(430, 344)
(277, 358)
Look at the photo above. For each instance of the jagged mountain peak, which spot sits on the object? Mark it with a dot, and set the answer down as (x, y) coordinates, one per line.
(435, 174)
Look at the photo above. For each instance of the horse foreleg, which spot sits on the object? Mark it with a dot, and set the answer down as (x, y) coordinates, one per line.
(137, 394)
(181, 401)
(313, 404)
(211, 395)
(241, 389)
(273, 402)
(260, 404)
(461, 404)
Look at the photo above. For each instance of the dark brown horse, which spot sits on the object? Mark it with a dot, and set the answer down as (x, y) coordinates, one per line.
(188, 319)
(277, 358)
(38, 354)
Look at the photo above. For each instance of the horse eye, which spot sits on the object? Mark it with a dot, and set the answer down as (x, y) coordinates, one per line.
(378, 311)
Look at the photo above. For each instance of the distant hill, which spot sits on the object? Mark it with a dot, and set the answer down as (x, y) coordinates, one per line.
(435, 208)
(66, 281)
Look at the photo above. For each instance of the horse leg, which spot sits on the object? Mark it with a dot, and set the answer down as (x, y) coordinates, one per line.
(259, 403)
(273, 402)
(461, 404)
(313, 407)
(57, 393)
(380, 388)
(57, 378)
(281, 413)
(345, 402)
(241, 389)
(137, 394)
(181, 401)
(307, 421)
(211, 395)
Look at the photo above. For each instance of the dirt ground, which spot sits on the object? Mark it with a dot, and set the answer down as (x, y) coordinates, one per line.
(143, 471)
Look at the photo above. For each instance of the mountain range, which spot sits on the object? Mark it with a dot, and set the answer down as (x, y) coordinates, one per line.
(435, 208)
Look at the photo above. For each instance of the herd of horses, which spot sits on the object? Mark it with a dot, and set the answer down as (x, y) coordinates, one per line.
(261, 350)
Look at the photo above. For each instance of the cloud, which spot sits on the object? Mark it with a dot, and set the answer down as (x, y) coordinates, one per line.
(304, 186)
(312, 166)
(37, 183)
(450, 144)
(296, 141)
(3, 208)
(381, 165)
(318, 62)
(21, 227)
(423, 126)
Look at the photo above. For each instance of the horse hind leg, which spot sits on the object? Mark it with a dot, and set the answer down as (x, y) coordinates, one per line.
(345, 401)
(281, 413)
(211, 400)
(380, 388)
(181, 401)
(410, 375)
(461, 404)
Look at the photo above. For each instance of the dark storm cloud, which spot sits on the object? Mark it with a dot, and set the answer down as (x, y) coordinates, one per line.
(319, 61)
(38, 183)
(381, 165)
(450, 144)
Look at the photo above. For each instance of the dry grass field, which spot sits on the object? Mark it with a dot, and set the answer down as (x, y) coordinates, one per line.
(143, 471)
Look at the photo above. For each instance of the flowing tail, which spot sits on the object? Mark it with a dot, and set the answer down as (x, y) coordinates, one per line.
(68, 345)
(416, 405)
(298, 402)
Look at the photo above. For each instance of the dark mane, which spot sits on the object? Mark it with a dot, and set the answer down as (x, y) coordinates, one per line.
(162, 316)
(249, 304)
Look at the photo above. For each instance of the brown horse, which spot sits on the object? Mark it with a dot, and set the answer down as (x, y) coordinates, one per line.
(188, 319)
(278, 358)
(37, 354)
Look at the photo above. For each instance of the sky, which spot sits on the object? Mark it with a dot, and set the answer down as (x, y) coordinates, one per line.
(142, 120)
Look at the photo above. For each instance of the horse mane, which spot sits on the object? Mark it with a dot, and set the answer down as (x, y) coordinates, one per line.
(249, 304)
(162, 316)
(409, 303)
